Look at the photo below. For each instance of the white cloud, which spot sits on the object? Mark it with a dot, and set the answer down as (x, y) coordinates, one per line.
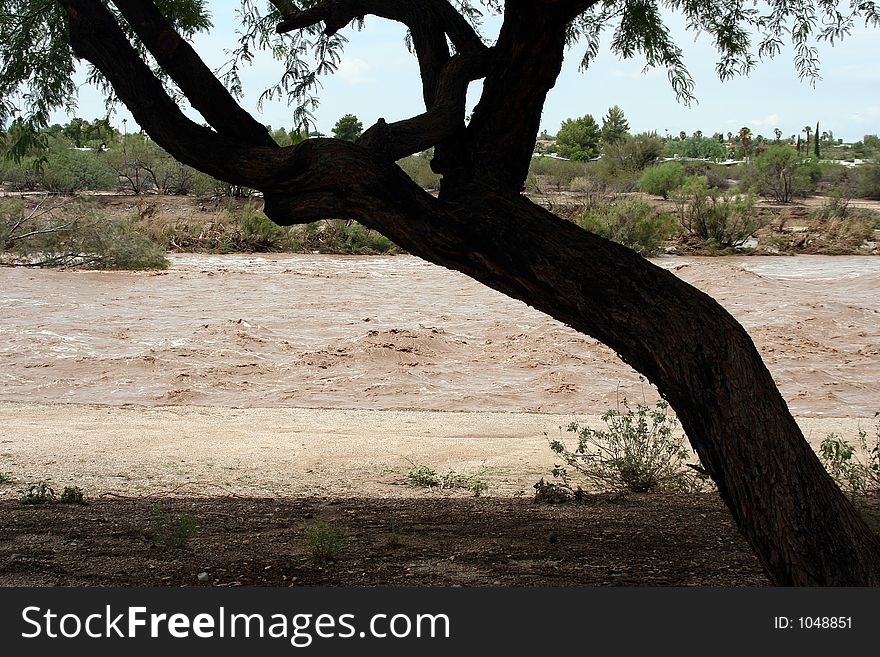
(769, 121)
(354, 71)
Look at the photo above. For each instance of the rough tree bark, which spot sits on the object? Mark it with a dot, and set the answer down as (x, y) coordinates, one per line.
(803, 529)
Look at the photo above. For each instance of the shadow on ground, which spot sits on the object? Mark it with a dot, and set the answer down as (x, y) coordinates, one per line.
(433, 541)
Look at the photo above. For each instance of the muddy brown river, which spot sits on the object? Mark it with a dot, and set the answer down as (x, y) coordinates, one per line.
(398, 333)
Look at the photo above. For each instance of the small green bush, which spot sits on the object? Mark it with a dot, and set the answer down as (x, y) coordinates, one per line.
(324, 540)
(172, 530)
(716, 219)
(38, 493)
(638, 451)
(868, 181)
(423, 476)
(855, 468)
(6, 478)
(550, 173)
(632, 154)
(631, 222)
(662, 179)
(72, 495)
(258, 232)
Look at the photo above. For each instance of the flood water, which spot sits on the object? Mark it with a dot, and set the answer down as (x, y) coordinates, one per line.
(397, 332)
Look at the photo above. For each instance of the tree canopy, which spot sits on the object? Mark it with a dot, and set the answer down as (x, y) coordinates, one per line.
(801, 526)
(578, 139)
(348, 128)
(614, 126)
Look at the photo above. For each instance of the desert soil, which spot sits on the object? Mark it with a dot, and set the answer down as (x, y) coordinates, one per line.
(262, 393)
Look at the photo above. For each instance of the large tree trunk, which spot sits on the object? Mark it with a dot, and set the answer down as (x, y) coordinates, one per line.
(802, 528)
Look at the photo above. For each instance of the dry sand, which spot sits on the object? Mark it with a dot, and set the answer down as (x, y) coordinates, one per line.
(282, 452)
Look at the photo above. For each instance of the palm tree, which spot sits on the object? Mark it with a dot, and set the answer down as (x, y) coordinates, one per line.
(778, 133)
(745, 138)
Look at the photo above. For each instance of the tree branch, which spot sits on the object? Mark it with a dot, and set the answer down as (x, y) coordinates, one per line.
(201, 87)
(527, 59)
(429, 23)
(96, 36)
(444, 118)
(336, 14)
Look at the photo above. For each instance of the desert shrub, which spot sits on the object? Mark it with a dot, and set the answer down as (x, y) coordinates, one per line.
(716, 174)
(838, 228)
(631, 222)
(638, 451)
(359, 240)
(716, 219)
(72, 495)
(662, 179)
(6, 478)
(20, 176)
(836, 178)
(68, 235)
(258, 232)
(425, 476)
(633, 153)
(66, 170)
(340, 236)
(854, 467)
(553, 173)
(867, 181)
(170, 529)
(782, 173)
(324, 540)
(38, 493)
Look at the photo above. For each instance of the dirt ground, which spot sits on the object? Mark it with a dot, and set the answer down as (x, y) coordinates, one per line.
(634, 540)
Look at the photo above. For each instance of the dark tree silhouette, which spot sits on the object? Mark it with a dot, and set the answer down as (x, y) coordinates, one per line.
(803, 529)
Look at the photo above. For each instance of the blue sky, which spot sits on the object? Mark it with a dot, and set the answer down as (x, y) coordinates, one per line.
(379, 78)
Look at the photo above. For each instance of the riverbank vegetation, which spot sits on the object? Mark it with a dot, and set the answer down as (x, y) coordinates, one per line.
(680, 194)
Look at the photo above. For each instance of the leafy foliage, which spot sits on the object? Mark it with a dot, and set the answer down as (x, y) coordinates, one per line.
(578, 139)
(716, 219)
(638, 451)
(72, 495)
(855, 467)
(614, 126)
(696, 147)
(37, 65)
(631, 222)
(662, 179)
(782, 173)
(348, 128)
(632, 153)
(57, 235)
(38, 493)
(324, 540)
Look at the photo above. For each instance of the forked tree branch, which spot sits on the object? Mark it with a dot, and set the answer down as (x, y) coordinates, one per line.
(441, 121)
(96, 36)
(430, 22)
(201, 87)
(336, 14)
